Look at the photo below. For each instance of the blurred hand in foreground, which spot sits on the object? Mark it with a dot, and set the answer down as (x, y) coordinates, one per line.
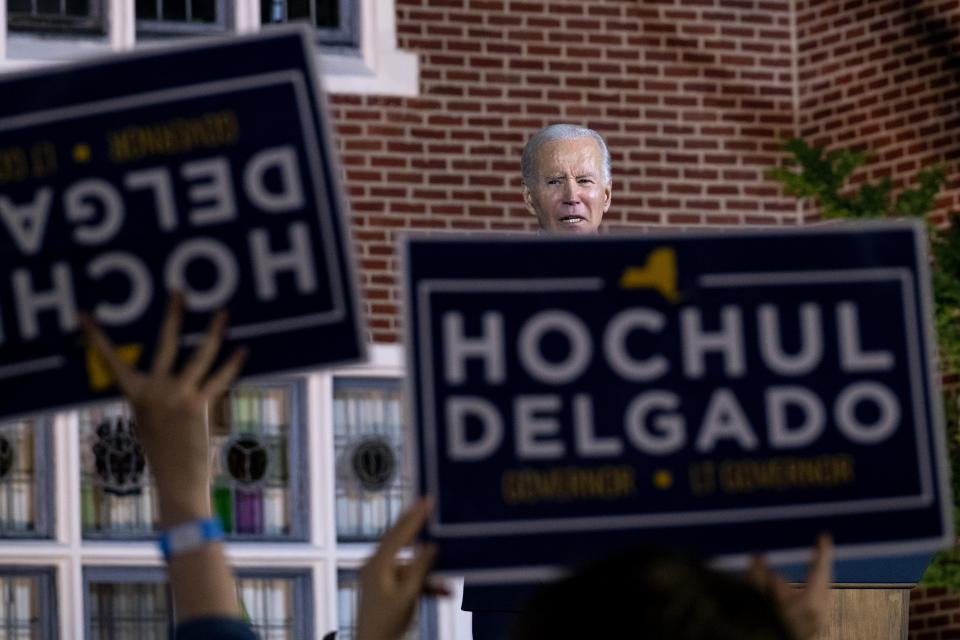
(806, 608)
(389, 589)
(171, 409)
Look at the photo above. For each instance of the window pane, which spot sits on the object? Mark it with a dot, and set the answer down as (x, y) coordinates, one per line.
(272, 11)
(174, 9)
(19, 492)
(423, 627)
(141, 609)
(129, 610)
(146, 9)
(20, 607)
(203, 11)
(170, 17)
(269, 603)
(250, 430)
(365, 412)
(78, 7)
(249, 448)
(77, 16)
(115, 495)
(298, 9)
(326, 13)
(48, 6)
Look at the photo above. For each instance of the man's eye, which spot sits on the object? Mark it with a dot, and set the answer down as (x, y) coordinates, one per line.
(553, 181)
(585, 181)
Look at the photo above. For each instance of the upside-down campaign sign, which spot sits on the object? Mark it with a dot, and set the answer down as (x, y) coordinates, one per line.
(202, 168)
(722, 392)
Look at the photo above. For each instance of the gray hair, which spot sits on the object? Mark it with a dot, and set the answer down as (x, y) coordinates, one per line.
(559, 132)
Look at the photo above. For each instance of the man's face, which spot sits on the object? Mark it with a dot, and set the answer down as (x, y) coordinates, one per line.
(568, 194)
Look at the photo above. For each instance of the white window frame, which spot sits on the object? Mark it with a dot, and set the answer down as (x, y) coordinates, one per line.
(320, 556)
(377, 68)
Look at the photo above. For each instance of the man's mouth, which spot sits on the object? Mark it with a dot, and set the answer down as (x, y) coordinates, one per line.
(571, 220)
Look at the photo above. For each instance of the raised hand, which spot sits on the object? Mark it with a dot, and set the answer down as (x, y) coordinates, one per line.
(389, 590)
(805, 608)
(170, 409)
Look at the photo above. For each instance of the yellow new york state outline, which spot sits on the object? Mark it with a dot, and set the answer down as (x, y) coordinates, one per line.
(659, 272)
(97, 371)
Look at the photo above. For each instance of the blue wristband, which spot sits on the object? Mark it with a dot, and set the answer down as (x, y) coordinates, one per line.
(189, 536)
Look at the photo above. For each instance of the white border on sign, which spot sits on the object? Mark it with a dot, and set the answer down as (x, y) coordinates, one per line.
(293, 77)
(901, 275)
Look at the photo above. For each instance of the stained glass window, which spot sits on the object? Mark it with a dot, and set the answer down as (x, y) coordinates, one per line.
(116, 499)
(368, 411)
(251, 432)
(255, 478)
(25, 500)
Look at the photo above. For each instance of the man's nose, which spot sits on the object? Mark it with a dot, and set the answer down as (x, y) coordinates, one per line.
(570, 191)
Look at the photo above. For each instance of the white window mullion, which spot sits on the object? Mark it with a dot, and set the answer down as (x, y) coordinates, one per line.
(3, 33)
(322, 474)
(120, 24)
(247, 16)
(66, 453)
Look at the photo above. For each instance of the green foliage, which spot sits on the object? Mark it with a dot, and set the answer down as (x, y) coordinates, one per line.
(811, 174)
(946, 290)
(823, 177)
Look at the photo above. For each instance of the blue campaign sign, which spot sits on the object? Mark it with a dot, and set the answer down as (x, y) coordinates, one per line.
(203, 167)
(724, 392)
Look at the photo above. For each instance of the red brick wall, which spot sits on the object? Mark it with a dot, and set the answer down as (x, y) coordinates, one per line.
(883, 76)
(934, 614)
(692, 96)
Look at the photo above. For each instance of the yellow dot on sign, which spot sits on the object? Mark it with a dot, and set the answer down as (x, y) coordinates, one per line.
(81, 152)
(663, 479)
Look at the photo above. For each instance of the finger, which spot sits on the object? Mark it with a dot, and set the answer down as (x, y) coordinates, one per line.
(416, 576)
(431, 588)
(403, 532)
(757, 573)
(169, 338)
(123, 372)
(781, 590)
(820, 571)
(226, 374)
(206, 351)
